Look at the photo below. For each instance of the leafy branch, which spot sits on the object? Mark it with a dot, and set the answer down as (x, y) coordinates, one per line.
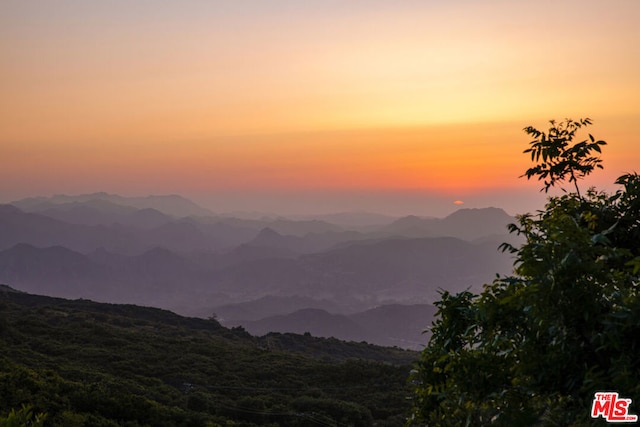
(561, 157)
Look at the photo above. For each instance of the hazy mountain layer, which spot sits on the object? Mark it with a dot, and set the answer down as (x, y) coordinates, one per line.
(388, 325)
(169, 204)
(117, 249)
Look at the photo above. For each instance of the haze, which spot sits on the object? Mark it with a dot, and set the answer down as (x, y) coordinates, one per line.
(309, 107)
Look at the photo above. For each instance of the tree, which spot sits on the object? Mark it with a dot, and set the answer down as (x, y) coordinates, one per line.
(534, 347)
(560, 156)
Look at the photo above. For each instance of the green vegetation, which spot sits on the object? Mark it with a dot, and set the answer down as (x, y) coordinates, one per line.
(89, 364)
(532, 349)
(24, 417)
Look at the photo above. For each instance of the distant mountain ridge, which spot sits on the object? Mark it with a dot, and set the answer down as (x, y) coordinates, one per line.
(351, 219)
(399, 270)
(310, 243)
(172, 204)
(89, 215)
(467, 224)
(387, 325)
(117, 249)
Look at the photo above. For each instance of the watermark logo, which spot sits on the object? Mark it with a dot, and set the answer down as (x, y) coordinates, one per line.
(608, 405)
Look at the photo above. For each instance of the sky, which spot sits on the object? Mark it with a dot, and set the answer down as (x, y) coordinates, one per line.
(299, 106)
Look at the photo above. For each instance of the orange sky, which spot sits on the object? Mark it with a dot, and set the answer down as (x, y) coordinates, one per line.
(274, 102)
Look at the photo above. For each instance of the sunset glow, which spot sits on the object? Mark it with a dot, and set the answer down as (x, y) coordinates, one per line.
(216, 100)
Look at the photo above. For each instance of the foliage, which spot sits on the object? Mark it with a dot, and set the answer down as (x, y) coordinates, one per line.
(532, 348)
(561, 157)
(24, 417)
(89, 364)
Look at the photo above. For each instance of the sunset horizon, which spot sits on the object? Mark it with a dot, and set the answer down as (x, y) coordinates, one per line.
(289, 108)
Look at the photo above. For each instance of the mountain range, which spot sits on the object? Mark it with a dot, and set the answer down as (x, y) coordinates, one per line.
(331, 279)
(390, 325)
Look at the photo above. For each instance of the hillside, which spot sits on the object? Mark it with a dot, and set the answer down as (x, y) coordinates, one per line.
(388, 325)
(86, 363)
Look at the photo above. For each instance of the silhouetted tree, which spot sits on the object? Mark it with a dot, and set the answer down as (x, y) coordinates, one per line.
(532, 348)
(561, 157)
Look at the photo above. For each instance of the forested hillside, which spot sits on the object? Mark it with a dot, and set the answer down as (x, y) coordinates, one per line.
(90, 364)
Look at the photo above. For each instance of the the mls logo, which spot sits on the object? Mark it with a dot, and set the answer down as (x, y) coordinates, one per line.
(608, 405)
